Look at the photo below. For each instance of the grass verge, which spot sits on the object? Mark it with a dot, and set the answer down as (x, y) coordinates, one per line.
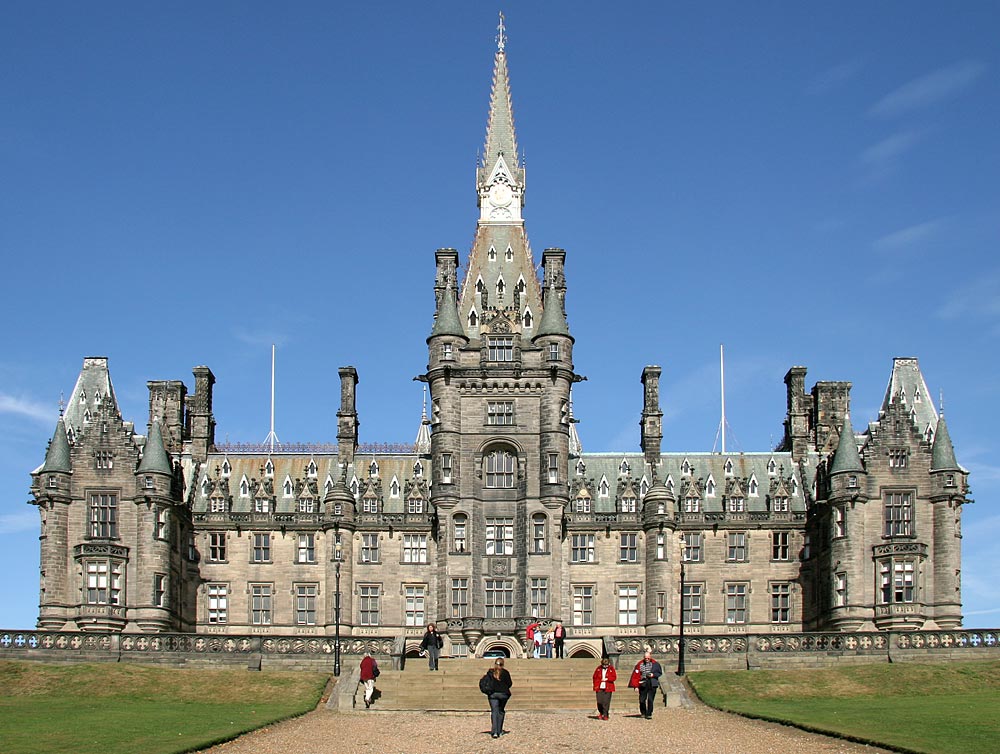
(122, 709)
(949, 708)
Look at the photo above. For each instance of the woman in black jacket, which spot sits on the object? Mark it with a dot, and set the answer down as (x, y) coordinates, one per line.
(432, 644)
(496, 685)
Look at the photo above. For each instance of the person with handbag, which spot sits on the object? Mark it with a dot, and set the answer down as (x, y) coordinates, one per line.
(496, 685)
(369, 672)
(646, 678)
(431, 644)
(604, 686)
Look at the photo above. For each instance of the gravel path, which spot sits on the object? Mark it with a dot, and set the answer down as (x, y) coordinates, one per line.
(682, 731)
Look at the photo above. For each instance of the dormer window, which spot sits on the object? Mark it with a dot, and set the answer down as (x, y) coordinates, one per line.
(500, 287)
(737, 505)
(83, 397)
(492, 254)
(394, 488)
(643, 487)
(528, 320)
(685, 467)
(373, 469)
(311, 469)
(329, 484)
(244, 487)
(629, 505)
(306, 505)
(795, 486)
(753, 487)
(206, 486)
(623, 468)
(415, 505)
(354, 487)
(226, 468)
(369, 505)
(772, 467)
(480, 285)
(779, 504)
(418, 469)
(473, 319)
(729, 467)
(710, 488)
(670, 483)
(692, 505)
(287, 487)
(582, 505)
(581, 468)
(269, 468)
(604, 488)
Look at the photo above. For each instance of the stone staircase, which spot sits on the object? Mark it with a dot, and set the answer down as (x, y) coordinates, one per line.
(540, 685)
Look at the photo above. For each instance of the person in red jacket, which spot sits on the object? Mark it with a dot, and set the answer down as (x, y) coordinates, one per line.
(369, 671)
(604, 684)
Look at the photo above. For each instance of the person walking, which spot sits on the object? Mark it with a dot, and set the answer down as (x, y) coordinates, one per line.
(496, 685)
(559, 636)
(646, 678)
(604, 685)
(432, 644)
(369, 672)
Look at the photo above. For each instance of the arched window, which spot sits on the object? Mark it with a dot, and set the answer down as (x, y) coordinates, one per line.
(500, 469)
(460, 532)
(539, 543)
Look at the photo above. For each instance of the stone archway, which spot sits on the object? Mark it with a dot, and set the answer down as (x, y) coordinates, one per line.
(578, 651)
(507, 644)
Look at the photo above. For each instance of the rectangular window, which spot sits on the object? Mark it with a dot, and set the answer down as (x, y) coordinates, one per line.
(582, 550)
(779, 545)
(415, 548)
(499, 536)
(897, 580)
(217, 505)
(414, 505)
(159, 590)
(369, 505)
(737, 505)
(779, 505)
(307, 505)
(104, 459)
(500, 348)
(780, 602)
(368, 597)
(898, 514)
(582, 505)
(583, 605)
(459, 598)
(692, 505)
(369, 548)
(553, 468)
(692, 547)
(460, 522)
(838, 521)
(104, 515)
(628, 605)
(540, 597)
(261, 552)
(446, 468)
(414, 607)
(538, 543)
(262, 505)
(446, 352)
(500, 413)
(661, 606)
(499, 598)
(162, 523)
(104, 582)
(898, 458)
(737, 547)
(307, 548)
(629, 505)
(553, 352)
(628, 551)
(260, 604)
(691, 604)
(840, 589)
(661, 546)
(500, 470)
(736, 604)
(218, 603)
(305, 604)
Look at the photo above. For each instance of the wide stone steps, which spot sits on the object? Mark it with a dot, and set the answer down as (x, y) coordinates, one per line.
(538, 685)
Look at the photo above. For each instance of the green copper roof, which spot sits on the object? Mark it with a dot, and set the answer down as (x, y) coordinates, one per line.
(553, 319)
(447, 322)
(57, 457)
(943, 452)
(846, 458)
(154, 455)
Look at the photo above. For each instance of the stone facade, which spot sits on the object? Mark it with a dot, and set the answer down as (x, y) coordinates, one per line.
(496, 514)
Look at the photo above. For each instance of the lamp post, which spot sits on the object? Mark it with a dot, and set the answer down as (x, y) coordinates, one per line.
(338, 554)
(680, 642)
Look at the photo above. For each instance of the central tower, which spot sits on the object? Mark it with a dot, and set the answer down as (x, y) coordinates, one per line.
(500, 369)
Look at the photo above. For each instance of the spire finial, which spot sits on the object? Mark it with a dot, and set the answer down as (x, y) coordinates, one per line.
(941, 401)
(424, 411)
(501, 34)
(62, 404)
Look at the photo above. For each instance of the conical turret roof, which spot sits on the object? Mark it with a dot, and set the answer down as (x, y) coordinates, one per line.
(447, 321)
(553, 318)
(154, 455)
(57, 457)
(942, 451)
(846, 457)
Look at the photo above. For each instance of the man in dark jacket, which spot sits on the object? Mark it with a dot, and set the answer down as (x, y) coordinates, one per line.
(646, 678)
(432, 644)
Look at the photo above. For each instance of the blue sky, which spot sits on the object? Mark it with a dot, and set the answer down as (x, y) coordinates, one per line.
(809, 184)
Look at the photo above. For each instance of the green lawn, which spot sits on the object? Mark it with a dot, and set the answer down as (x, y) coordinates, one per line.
(123, 709)
(949, 708)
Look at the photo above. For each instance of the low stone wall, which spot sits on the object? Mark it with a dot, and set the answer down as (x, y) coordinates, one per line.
(812, 650)
(724, 652)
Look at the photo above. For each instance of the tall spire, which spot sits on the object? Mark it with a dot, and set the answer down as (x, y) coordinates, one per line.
(423, 441)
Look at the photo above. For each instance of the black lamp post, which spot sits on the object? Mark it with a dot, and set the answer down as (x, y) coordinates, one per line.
(680, 643)
(338, 554)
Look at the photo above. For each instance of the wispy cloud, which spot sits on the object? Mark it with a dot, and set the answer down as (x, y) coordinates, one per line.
(14, 523)
(929, 89)
(10, 404)
(977, 299)
(906, 237)
(834, 77)
(881, 158)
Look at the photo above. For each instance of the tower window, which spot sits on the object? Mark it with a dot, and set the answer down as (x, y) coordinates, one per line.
(500, 348)
(500, 470)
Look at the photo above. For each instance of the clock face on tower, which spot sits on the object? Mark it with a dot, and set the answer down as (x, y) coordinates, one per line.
(500, 195)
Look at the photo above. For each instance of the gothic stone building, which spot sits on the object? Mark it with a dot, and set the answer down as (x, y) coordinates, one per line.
(495, 514)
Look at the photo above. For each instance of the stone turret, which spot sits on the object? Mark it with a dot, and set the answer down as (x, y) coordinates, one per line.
(347, 417)
(651, 423)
